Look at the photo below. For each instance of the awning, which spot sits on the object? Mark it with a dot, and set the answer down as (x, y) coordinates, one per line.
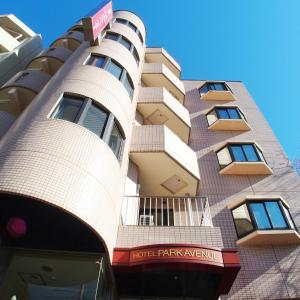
(175, 270)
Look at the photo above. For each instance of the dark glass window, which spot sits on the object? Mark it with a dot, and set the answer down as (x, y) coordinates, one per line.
(244, 152)
(132, 26)
(112, 36)
(95, 120)
(250, 153)
(128, 85)
(141, 37)
(261, 215)
(238, 153)
(85, 112)
(68, 108)
(96, 61)
(204, 89)
(228, 113)
(116, 140)
(233, 113)
(121, 21)
(223, 114)
(125, 43)
(114, 69)
(218, 86)
(136, 56)
(275, 215)
(213, 86)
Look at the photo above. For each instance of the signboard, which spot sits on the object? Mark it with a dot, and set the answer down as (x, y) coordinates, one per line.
(97, 20)
(175, 254)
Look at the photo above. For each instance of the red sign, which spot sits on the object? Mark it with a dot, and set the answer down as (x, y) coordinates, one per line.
(94, 24)
(175, 254)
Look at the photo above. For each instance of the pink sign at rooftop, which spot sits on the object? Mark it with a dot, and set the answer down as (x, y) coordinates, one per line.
(97, 20)
(101, 19)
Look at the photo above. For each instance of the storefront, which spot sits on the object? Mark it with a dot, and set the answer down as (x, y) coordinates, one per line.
(174, 271)
(48, 254)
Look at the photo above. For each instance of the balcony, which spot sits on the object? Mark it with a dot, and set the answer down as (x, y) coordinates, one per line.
(227, 118)
(160, 55)
(242, 159)
(263, 220)
(70, 40)
(50, 60)
(159, 75)
(216, 91)
(158, 107)
(167, 166)
(19, 91)
(165, 211)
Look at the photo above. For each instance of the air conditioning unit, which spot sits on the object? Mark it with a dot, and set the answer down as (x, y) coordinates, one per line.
(146, 220)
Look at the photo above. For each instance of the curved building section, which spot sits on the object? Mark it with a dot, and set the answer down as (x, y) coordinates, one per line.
(70, 40)
(130, 35)
(61, 154)
(134, 19)
(20, 90)
(50, 60)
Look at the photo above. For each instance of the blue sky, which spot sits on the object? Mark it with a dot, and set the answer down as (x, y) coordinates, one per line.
(256, 41)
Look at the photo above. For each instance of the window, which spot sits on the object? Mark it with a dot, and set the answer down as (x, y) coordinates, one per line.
(114, 68)
(116, 140)
(130, 25)
(239, 153)
(261, 215)
(228, 113)
(85, 112)
(125, 42)
(244, 153)
(112, 36)
(213, 86)
(224, 113)
(128, 85)
(96, 61)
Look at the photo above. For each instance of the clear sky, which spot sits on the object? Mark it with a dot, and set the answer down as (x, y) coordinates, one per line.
(256, 41)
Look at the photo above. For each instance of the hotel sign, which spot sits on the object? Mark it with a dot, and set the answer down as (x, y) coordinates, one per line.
(97, 20)
(176, 254)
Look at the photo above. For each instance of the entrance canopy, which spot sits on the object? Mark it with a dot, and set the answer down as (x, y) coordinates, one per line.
(175, 270)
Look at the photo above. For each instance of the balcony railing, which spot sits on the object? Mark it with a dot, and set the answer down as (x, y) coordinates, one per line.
(165, 211)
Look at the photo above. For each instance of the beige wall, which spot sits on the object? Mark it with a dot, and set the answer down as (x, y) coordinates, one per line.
(269, 272)
(16, 54)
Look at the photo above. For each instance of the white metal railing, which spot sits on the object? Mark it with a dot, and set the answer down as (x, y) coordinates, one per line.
(165, 211)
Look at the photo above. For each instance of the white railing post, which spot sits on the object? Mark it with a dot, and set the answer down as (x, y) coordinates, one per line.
(165, 211)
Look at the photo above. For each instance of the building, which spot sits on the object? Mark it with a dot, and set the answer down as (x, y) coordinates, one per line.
(18, 46)
(120, 180)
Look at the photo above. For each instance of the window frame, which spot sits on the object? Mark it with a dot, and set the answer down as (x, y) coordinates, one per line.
(107, 61)
(131, 26)
(131, 49)
(215, 109)
(110, 121)
(252, 217)
(208, 83)
(258, 152)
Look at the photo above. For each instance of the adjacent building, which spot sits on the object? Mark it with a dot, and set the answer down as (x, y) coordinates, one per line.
(120, 180)
(18, 46)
